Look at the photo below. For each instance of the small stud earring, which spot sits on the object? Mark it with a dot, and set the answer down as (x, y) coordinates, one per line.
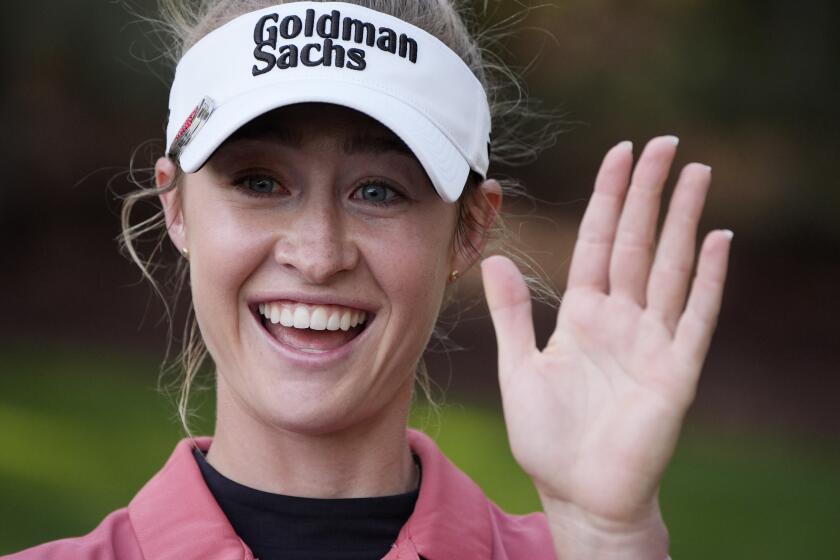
(185, 252)
(453, 275)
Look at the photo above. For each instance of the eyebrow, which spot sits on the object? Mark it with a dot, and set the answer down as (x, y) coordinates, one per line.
(283, 136)
(375, 144)
(358, 143)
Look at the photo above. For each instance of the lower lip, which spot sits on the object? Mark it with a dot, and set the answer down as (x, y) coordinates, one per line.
(312, 360)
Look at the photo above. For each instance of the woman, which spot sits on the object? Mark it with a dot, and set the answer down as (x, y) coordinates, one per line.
(326, 181)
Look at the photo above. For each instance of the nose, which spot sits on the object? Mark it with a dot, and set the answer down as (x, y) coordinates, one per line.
(314, 241)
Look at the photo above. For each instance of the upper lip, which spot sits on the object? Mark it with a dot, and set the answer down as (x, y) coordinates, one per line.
(311, 299)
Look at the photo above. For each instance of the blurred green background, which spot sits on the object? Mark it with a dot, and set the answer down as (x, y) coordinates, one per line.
(748, 86)
(83, 430)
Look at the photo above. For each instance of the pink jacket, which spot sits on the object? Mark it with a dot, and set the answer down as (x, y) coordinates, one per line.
(175, 517)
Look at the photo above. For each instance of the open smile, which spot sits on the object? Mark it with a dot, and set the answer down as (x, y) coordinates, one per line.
(314, 331)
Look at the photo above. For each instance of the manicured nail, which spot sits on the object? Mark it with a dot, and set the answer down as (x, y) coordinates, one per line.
(728, 233)
(673, 139)
(708, 168)
(626, 145)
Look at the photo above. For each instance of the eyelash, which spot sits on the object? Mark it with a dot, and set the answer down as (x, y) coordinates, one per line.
(396, 199)
(239, 184)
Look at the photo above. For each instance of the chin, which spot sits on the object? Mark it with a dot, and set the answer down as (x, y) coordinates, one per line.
(312, 419)
(329, 404)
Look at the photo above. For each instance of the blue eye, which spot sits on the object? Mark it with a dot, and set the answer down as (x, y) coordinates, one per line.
(376, 193)
(259, 185)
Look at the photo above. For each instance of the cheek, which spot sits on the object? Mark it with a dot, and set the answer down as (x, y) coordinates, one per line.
(225, 251)
(411, 264)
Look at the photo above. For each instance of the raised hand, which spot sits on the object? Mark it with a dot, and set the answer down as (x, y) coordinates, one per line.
(594, 417)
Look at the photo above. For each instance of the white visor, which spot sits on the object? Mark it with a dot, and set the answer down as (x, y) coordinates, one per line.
(339, 53)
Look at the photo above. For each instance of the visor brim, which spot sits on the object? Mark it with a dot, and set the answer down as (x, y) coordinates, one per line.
(444, 164)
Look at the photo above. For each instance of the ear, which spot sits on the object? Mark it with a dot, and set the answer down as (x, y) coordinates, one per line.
(165, 174)
(484, 205)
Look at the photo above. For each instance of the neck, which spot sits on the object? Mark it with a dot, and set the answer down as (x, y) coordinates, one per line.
(370, 458)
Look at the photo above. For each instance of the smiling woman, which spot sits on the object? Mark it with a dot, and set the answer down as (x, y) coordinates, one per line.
(323, 211)
(308, 224)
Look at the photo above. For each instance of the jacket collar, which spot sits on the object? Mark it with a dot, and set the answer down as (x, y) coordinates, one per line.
(452, 516)
(176, 517)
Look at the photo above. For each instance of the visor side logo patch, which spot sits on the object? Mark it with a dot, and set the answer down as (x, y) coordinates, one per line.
(192, 124)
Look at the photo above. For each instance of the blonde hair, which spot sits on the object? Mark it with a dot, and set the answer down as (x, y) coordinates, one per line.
(520, 132)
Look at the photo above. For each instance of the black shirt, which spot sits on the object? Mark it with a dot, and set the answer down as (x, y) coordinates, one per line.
(276, 526)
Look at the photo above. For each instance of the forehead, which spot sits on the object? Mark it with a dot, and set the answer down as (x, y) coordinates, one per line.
(324, 124)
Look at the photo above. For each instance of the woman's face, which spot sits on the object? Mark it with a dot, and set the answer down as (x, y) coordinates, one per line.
(319, 218)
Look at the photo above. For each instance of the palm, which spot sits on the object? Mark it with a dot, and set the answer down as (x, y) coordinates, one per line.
(593, 418)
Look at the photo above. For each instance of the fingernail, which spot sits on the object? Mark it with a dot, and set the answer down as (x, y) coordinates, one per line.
(625, 145)
(728, 233)
(708, 168)
(673, 139)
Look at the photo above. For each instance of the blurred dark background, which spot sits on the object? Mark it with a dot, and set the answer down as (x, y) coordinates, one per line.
(750, 88)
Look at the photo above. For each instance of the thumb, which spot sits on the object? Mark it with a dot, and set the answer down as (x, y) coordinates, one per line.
(509, 301)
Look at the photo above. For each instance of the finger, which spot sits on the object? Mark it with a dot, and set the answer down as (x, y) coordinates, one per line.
(591, 256)
(674, 261)
(695, 328)
(509, 302)
(633, 250)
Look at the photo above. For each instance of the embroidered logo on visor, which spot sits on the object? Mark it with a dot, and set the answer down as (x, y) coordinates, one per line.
(337, 53)
(191, 126)
(330, 27)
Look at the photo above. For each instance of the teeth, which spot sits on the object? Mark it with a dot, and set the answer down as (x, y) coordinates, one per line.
(287, 318)
(301, 317)
(315, 317)
(334, 321)
(318, 319)
(345, 320)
